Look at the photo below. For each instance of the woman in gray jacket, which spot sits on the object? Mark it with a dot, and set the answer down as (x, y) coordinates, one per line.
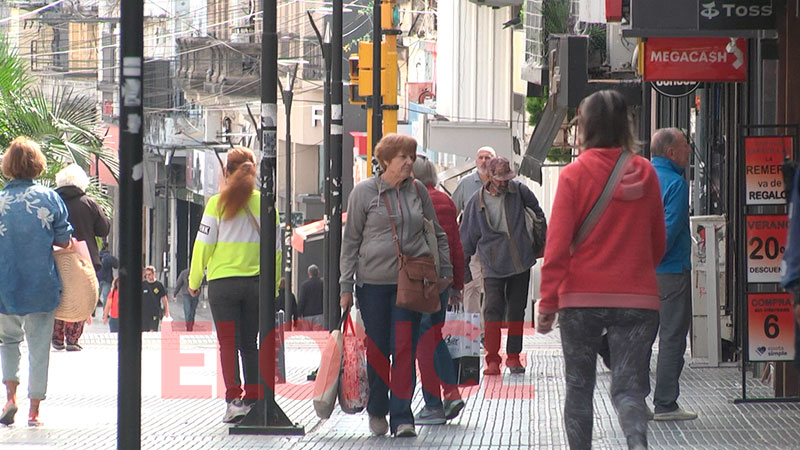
(369, 263)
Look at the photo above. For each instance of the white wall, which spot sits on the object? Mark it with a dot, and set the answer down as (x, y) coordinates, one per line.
(474, 67)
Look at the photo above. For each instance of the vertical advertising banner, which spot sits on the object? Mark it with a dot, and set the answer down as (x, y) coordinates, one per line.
(770, 327)
(763, 158)
(766, 242)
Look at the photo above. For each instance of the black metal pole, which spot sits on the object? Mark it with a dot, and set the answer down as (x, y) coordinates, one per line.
(131, 120)
(288, 254)
(266, 417)
(335, 163)
(328, 301)
(377, 109)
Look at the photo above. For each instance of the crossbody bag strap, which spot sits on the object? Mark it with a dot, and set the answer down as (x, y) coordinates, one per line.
(602, 202)
(391, 222)
(252, 218)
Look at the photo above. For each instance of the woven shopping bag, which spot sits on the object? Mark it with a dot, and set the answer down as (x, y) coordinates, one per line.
(79, 283)
(353, 384)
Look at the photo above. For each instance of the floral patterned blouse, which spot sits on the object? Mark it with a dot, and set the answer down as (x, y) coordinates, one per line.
(32, 219)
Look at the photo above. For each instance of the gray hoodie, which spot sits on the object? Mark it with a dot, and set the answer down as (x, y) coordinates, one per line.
(368, 250)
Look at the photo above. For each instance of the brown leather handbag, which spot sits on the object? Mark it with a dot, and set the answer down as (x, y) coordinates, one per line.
(417, 279)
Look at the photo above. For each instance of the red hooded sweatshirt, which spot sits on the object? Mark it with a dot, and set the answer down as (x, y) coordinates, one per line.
(615, 267)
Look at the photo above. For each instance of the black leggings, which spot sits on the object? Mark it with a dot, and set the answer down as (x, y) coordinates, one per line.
(234, 306)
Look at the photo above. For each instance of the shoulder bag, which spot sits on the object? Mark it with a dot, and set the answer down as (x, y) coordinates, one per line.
(79, 284)
(417, 281)
(602, 202)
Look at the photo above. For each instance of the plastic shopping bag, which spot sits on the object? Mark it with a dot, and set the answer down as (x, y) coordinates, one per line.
(326, 384)
(462, 334)
(353, 384)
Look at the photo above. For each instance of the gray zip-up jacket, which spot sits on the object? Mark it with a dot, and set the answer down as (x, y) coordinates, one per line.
(501, 254)
(368, 250)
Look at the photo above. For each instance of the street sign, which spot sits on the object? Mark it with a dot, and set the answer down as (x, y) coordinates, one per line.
(770, 327)
(695, 59)
(763, 160)
(675, 89)
(736, 15)
(766, 242)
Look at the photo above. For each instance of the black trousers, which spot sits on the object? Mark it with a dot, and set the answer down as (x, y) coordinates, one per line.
(234, 306)
(510, 292)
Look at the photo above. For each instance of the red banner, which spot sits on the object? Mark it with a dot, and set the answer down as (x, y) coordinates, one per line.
(766, 242)
(763, 173)
(695, 59)
(770, 327)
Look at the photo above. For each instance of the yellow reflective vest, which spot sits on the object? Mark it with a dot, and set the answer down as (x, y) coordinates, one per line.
(226, 248)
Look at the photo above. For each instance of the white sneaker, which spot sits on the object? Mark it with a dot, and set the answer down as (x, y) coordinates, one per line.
(678, 414)
(235, 411)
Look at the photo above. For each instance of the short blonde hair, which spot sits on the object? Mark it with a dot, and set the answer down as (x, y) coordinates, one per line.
(391, 145)
(72, 175)
(23, 159)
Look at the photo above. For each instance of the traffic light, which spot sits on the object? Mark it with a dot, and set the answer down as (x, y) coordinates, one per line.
(356, 97)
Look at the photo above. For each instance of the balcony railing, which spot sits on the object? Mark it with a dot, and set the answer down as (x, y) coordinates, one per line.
(219, 67)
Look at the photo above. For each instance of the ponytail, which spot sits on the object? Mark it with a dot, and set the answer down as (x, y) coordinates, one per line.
(240, 181)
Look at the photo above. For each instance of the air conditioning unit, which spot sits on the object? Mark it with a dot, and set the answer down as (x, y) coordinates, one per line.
(498, 3)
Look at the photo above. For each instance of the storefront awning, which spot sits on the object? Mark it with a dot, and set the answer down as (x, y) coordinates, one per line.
(310, 232)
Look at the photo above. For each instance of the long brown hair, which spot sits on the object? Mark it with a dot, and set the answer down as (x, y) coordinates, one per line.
(240, 179)
(605, 122)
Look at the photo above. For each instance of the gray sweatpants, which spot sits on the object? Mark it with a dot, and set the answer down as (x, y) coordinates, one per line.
(675, 318)
(630, 335)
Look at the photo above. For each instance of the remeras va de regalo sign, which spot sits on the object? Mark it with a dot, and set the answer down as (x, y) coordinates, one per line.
(764, 157)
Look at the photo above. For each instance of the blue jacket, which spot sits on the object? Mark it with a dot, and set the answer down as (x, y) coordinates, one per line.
(501, 254)
(32, 219)
(675, 196)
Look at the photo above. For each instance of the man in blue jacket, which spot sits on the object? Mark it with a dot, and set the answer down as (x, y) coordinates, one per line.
(670, 151)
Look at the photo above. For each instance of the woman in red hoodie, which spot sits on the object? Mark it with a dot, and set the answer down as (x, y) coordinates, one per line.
(607, 278)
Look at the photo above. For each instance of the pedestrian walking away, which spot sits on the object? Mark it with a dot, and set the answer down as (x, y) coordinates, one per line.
(390, 201)
(606, 220)
(154, 300)
(226, 250)
(671, 152)
(437, 373)
(105, 275)
(466, 188)
(309, 303)
(494, 227)
(33, 219)
(186, 299)
(89, 221)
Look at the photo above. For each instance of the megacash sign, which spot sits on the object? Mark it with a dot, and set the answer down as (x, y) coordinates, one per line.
(695, 59)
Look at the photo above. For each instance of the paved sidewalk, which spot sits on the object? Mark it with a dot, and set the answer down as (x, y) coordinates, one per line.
(511, 412)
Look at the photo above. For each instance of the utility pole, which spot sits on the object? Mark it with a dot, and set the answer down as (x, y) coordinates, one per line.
(131, 120)
(266, 417)
(335, 163)
(286, 92)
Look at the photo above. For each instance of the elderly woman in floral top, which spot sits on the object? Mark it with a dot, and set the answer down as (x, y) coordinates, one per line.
(33, 218)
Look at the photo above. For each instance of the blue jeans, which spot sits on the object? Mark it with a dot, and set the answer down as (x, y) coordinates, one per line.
(442, 373)
(37, 329)
(189, 309)
(391, 331)
(113, 325)
(105, 288)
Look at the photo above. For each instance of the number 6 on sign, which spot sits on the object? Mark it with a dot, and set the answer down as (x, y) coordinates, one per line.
(767, 315)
